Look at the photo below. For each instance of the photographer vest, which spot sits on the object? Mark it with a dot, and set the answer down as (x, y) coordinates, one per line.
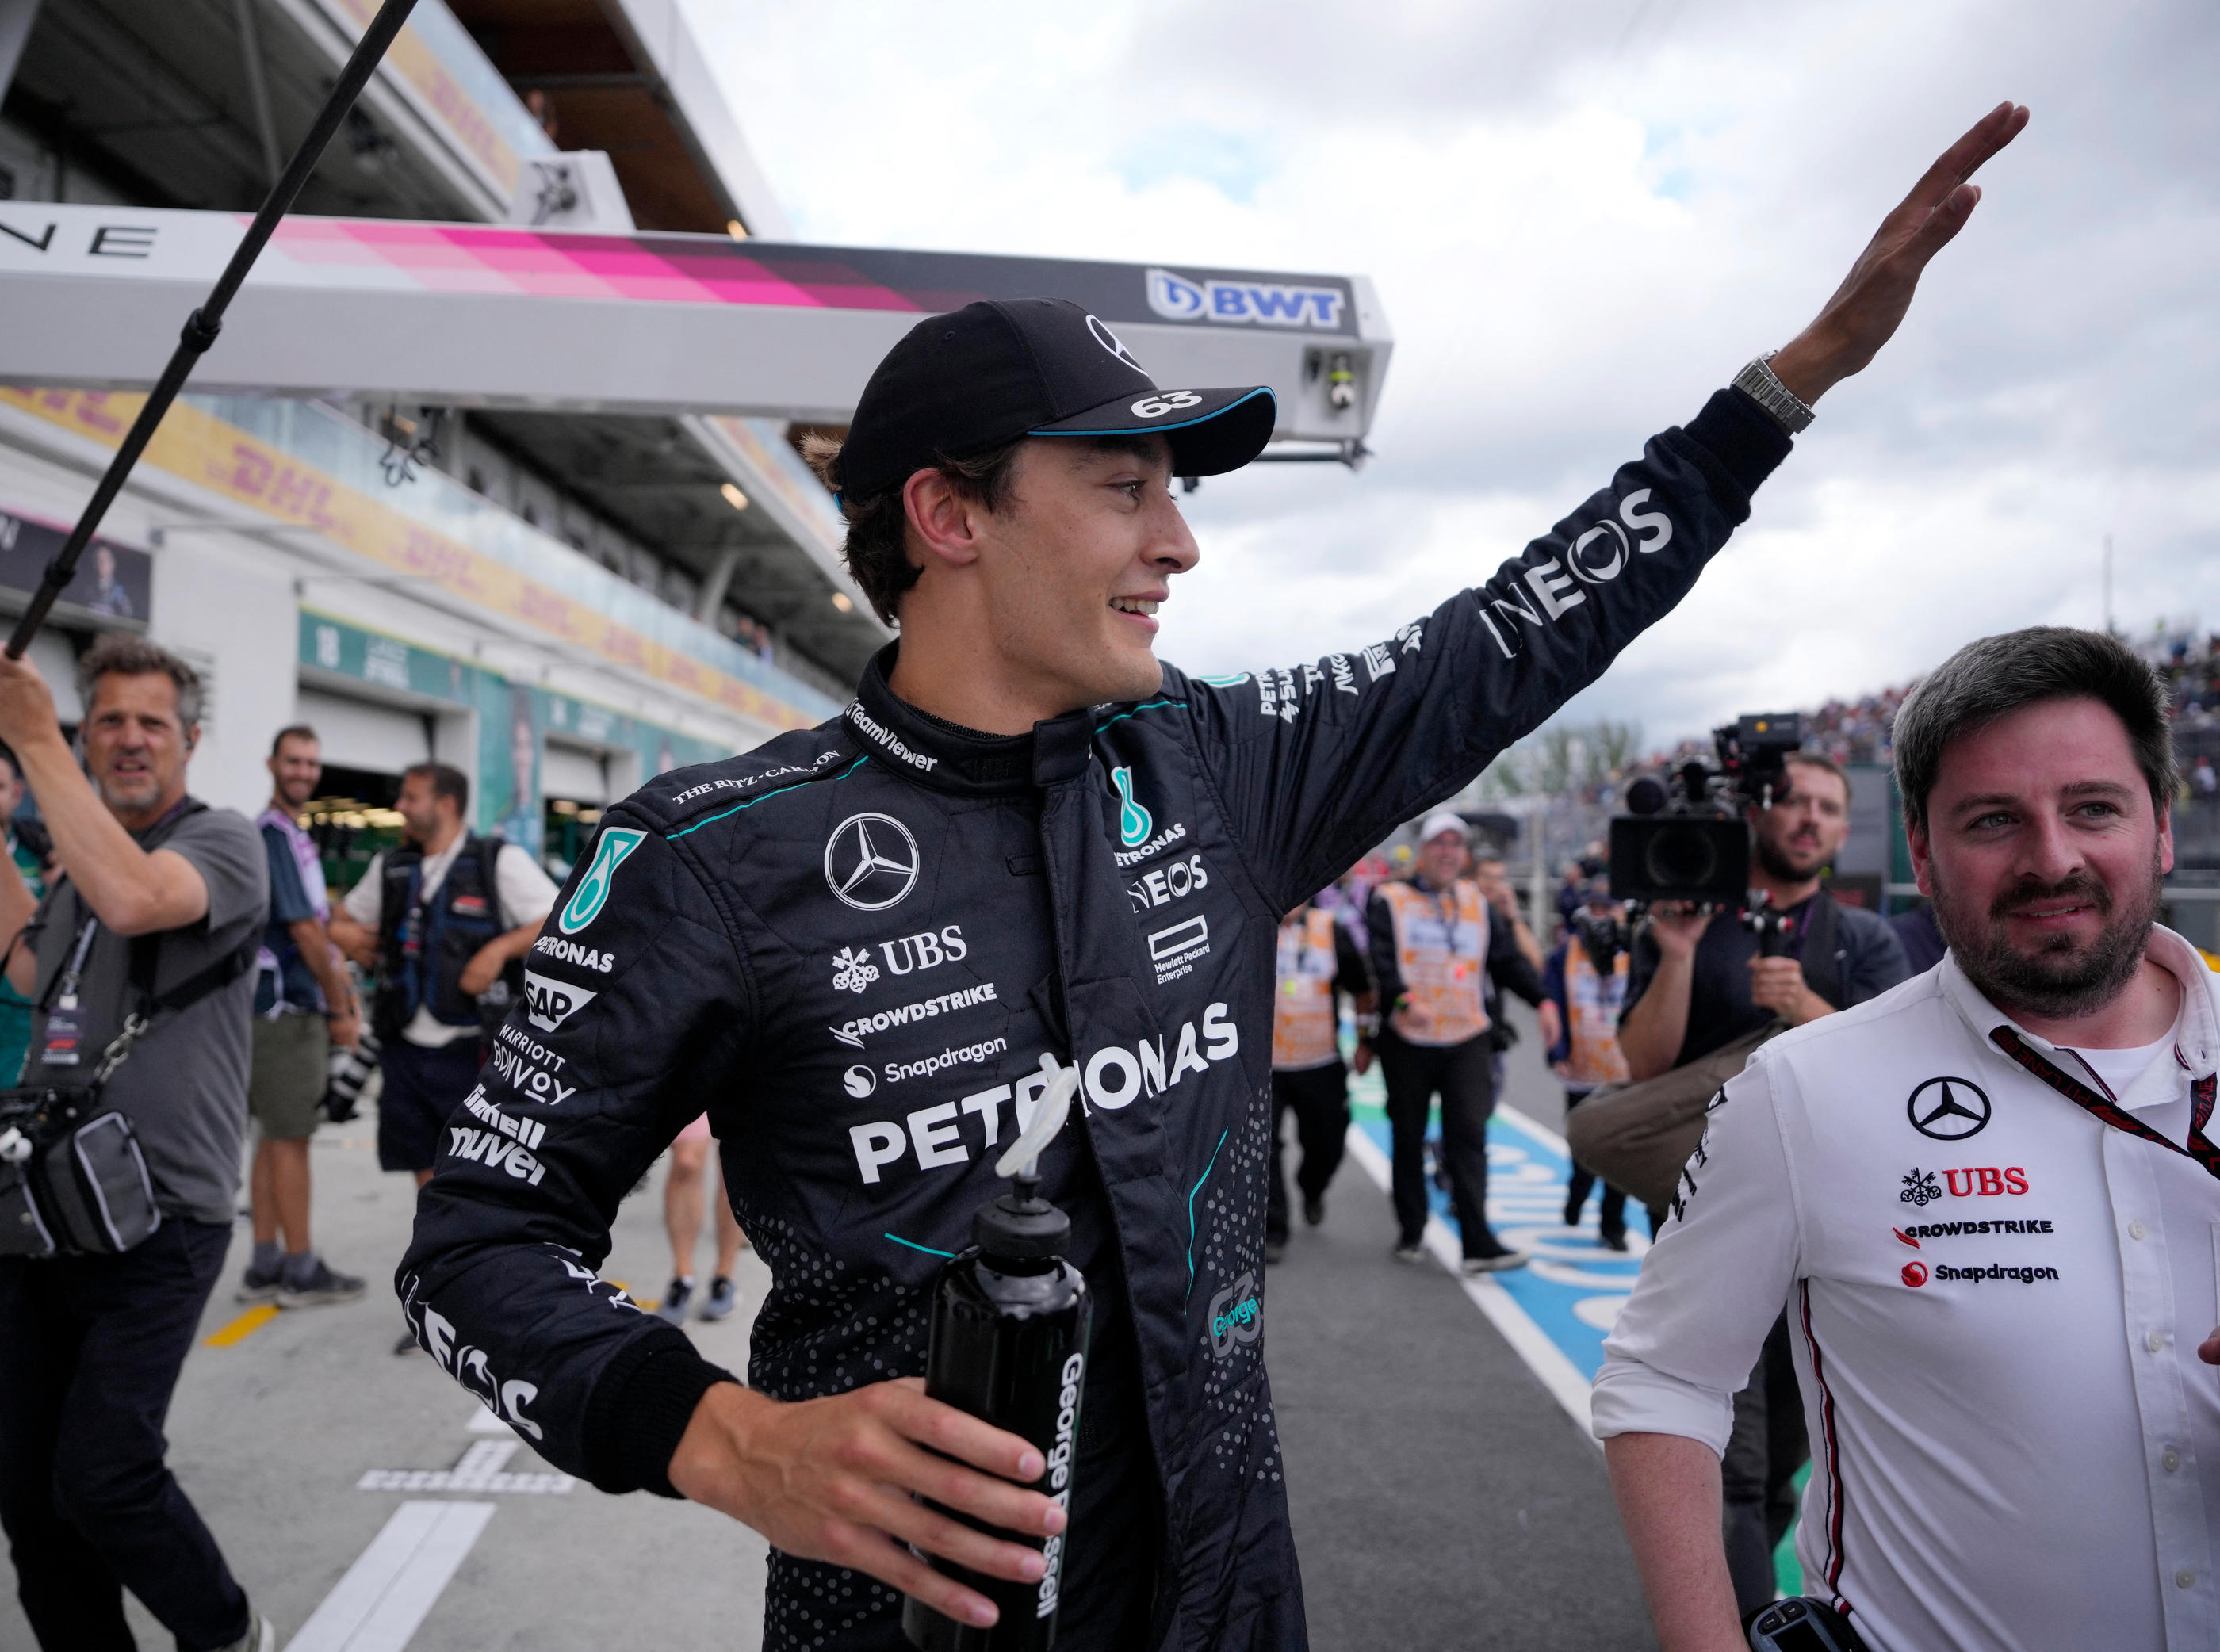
(1304, 1030)
(424, 945)
(1441, 952)
(1592, 1006)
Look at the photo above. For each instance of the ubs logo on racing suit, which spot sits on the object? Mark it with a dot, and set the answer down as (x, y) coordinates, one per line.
(870, 861)
(1134, 823)
(593, 891)
(1236, 1316)
(853, 969)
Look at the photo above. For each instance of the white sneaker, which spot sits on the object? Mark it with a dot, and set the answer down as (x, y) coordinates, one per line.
(261, 1635)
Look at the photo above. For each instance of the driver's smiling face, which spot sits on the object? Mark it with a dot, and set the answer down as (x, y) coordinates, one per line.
(1079, 561)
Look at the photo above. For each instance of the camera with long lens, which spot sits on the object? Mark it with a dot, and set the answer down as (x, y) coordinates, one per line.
(1603, 937)
(1683, 838)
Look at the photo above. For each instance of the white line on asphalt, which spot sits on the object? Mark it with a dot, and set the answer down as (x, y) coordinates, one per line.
(1557, 1374)
(385, 1594)
(480, 1469)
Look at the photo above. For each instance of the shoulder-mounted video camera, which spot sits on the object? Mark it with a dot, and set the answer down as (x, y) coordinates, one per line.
(1683, 838)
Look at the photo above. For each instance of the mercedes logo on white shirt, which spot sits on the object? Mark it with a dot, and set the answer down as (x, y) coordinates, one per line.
(1949, 1109)
(870, 861)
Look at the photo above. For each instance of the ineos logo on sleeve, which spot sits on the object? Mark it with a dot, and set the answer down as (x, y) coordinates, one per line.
(1957, 1109)
(870, 861)
(1111, 342)
(1155, 407)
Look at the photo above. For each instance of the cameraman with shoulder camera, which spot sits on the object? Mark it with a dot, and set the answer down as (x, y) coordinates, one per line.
(1699, 982)
(156, 913)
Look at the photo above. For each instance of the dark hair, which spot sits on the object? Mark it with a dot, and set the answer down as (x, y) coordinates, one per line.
(8, 757)
(291, 731)
(1821, 760)
(447, 781)
(1992, 678)
(877, 549)
(120, 653)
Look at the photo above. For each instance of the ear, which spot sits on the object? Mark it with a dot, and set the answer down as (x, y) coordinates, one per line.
(1915, 838)
(943, 525)
(2165, 839)
(193, 738)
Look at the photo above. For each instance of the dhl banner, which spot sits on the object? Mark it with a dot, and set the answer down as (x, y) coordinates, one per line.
(200, 448)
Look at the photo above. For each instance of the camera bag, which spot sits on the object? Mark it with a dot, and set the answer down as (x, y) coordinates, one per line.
(73, 1178)
(1639, 1136)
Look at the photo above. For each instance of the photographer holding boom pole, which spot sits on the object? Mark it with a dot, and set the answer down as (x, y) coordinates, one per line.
(1699, 981)
(157, 912)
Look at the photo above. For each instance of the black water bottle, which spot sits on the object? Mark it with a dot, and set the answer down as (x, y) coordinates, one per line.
(1010, 1322)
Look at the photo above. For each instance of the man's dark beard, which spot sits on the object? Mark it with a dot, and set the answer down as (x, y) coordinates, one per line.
(1773, 861)
(2060, 982)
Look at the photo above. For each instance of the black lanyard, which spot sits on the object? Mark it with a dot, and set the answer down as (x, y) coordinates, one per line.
(2108, 1111)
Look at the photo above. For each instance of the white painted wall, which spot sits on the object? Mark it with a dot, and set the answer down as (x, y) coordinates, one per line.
(235, 606)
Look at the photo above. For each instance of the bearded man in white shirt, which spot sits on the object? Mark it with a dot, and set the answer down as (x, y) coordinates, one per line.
(1990, 1204)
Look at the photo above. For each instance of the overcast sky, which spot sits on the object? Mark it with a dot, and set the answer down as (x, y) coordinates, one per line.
(1583, 216)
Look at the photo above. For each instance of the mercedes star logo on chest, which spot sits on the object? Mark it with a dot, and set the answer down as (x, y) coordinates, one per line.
(870, 861)
(1949, 1109)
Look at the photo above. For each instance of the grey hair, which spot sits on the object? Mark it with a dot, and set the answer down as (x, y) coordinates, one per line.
(122, 654)
(1997, 676)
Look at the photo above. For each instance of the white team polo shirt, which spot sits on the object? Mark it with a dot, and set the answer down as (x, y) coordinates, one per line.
(1996, 1301)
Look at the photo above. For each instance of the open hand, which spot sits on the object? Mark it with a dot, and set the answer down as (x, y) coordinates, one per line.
(1676, 927)
(836, 1479)
(1868, 307)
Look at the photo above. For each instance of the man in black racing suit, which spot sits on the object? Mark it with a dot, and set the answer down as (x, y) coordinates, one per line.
(866, 948)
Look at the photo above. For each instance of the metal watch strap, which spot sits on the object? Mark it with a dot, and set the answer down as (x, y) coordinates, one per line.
(1758, 382)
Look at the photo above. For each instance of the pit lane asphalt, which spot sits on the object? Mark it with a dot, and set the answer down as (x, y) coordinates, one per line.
(1441, 1497)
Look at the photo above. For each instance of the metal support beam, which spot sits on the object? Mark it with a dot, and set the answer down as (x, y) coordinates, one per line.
(714, 584)
(16, 17)
(258, 87)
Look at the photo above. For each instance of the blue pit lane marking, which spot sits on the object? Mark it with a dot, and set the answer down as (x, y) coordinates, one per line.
(1573, 1289)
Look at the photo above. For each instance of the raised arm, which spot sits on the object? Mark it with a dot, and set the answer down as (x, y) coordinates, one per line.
(1321, 760)
(131, 891)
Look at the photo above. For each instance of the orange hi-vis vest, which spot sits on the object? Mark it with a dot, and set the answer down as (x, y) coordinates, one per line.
(1306, 1031)
(1441, 952)
(1592, 1006)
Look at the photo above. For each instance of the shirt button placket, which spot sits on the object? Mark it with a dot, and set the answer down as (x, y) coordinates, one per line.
(2171, 1460)
(2184, 1578)
(2155, 1342)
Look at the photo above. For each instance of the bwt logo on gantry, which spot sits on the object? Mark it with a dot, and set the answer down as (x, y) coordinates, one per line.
(1265, 303)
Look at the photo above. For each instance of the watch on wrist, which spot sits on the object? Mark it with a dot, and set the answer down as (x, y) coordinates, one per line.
(1758, 382)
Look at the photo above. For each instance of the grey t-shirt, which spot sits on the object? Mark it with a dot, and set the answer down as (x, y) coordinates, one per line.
(184, 1086)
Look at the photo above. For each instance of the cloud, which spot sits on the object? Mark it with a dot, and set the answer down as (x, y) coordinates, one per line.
(1581, 218)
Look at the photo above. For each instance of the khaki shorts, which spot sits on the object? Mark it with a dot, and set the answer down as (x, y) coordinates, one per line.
(285, 1088)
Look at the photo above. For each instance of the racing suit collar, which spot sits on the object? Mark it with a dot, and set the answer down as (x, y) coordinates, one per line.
(2197, 1032)
(940, 754)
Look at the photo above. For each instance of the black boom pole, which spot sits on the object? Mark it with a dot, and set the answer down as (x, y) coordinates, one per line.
(202, 326)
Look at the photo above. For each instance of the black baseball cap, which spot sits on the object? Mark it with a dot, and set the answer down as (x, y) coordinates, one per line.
(993, 371)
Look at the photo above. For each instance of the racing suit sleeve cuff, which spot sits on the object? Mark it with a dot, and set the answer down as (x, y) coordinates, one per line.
(1631, 1397)
(639, 1410)
(1743, 440)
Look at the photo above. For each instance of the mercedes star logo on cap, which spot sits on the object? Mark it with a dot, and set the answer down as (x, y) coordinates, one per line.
(870, 861)
(1949, 1109)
